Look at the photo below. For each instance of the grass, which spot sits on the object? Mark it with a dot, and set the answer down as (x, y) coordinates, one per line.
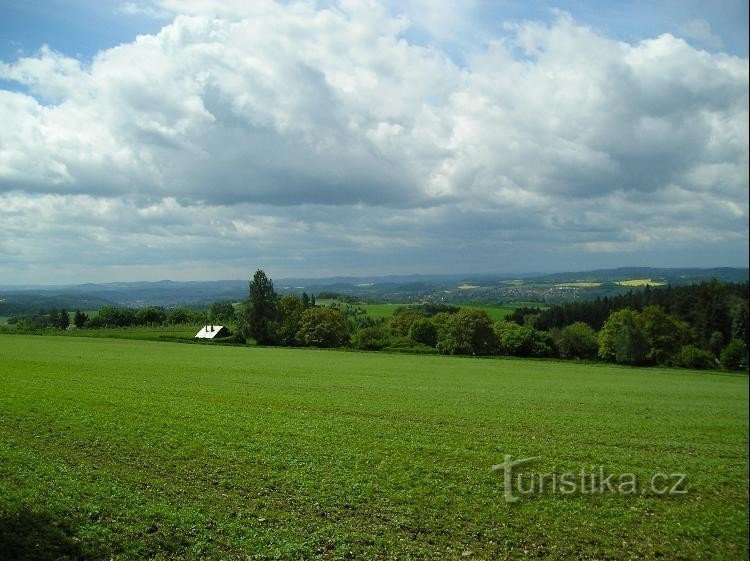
(128, 449)
(380, 310)
(141, 333)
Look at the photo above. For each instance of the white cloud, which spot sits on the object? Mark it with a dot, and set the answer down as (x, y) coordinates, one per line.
(700, 30)
(339, 132)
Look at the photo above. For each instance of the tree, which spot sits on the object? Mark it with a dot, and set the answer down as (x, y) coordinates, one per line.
(79, 319)
(305, 300)
(517, 340)
(693, 357)
(466, 332)
(734, 355)
(423, 331)
(373, 338)
(401, 323)
(631, 346)
(64, 321)
(740, 321)
(621, 339)
(716, 343)
(151, 315)
(290, 310)
(322, 327)
(54, 318)
(262, 309)
(221, 312)
(112, 316)
(578, 340)
(179, 316)
(665, 334)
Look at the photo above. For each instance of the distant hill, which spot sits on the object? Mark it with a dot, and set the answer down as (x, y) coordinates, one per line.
(31, 302)
(486, 288)
(668, 276)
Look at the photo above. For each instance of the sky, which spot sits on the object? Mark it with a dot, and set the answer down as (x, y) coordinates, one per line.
(199, 140)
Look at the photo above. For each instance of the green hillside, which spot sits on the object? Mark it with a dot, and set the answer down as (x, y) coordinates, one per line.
(121, 449)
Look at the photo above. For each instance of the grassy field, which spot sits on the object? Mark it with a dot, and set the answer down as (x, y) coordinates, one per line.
(142, 333)
(122, 449)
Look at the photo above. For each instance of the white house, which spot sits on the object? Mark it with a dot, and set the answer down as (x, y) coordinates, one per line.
(212, 332)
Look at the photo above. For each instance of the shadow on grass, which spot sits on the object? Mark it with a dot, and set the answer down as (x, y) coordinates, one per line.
(27, 536)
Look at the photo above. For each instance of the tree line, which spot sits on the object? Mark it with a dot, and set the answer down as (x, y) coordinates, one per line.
(700, 326)
(221, 312)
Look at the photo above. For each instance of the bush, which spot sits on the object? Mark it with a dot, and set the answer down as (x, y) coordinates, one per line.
(693, 357)
(423, 331)
(517, 340)
(237, 337)
(372, 338)
(734, 356)
(469, 332)
(622, 339)
(578, 340)
(322, 327)
(151, 315)
(401, 323)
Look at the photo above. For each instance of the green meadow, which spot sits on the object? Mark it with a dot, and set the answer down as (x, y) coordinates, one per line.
(126, 449)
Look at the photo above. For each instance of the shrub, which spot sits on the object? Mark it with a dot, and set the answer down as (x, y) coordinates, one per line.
(372, 338)
(322, 327)
(734, 356)
(578, 340)
(469, 332)
(517, 340)
(691, 356)
(423, 331)
(401, 323)
(622, 338)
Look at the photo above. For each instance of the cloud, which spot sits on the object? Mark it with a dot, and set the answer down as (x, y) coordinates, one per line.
(700, 31)
(338, 134)
(146, 10)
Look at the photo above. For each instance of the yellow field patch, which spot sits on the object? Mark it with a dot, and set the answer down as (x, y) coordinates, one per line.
(640, 282)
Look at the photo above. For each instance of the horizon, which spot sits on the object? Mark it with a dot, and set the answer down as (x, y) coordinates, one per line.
(157, 139)
(459, 276)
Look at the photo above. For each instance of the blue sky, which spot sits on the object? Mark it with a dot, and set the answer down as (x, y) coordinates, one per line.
(369, 136)
(81, 28)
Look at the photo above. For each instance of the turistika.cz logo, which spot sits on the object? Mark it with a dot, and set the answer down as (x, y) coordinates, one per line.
(587, 481)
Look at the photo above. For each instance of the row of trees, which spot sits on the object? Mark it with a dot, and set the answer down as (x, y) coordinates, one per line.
(628, 336)
(695, 326)
(114, 316)
(53, 319)
(708, 308)
(711, 331)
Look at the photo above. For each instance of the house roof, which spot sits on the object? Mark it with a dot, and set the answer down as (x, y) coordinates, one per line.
(209, 331)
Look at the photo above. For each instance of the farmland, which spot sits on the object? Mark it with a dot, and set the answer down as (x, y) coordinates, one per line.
(130, 449)
(640, 282)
